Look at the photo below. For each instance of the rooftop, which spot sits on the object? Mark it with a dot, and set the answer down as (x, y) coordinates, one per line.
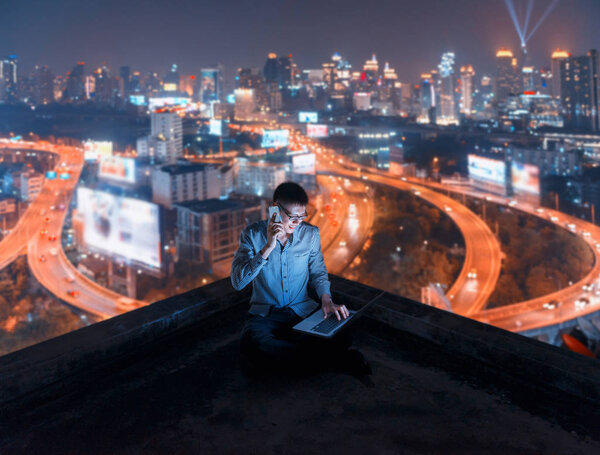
(167, 379)
(175, 169)
(216, 205)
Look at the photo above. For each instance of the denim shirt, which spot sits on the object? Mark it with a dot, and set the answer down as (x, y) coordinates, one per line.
(282, 279)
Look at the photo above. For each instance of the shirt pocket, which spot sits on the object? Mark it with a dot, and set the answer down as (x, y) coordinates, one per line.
(300, 262)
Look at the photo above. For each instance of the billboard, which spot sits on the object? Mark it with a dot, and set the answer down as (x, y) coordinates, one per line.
(121, 226)
(94, 150)
(137, 100)
(304, 163)
(308, 117)
(316, 130)
(486, 169)
(209, 85)
(163, 101)
(525, 178)
(215, 127)
(275, 138)
(117, 168)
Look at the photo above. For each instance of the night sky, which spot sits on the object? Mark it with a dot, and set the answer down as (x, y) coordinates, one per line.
(411, 35)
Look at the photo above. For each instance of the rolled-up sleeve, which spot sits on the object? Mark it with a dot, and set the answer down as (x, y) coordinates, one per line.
(247, 262)
(316, 267)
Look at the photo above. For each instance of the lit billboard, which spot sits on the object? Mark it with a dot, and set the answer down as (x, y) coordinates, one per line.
(486, 169)
(117, 168)
(137, 100)
(163, 101)
(304, 163)
(95, 150)
(121, 226)
(209, 86)
(275, 138)
(316, 131)
(308, 117)
(215, 127)
(525, 178)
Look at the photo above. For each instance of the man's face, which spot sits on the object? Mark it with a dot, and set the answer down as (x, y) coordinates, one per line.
(291, 216)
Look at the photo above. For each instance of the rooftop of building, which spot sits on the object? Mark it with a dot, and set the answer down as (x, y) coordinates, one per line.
(167, 379)
(216, 205)
(175, 169)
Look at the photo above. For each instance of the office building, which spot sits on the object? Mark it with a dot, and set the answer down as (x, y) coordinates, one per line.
(168, 126)
(508, 80)
(125, 82)
(252, 78)
(278, 70)
(74, 91)
(43, 87)
(466, 97)
(245, 104)
(208, 232)
(174, 183)
(361, 101)
(8, 79)
(447, 106)
(579, 87)
(557, 57)
(258, 178)
(211, 85)
(171, 79)
(31, 185)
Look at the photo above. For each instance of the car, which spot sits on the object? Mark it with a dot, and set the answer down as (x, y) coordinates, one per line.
(581, 303)
(472, 274)
(342, 243)
(73, 293)
(539, 210)
(69, 278)
(588, 287)
(327, 207)
(352, 210)
(42, 258)
(571, 227)
(47, 220)
(44, 232)
(53, 251)
(553, 218)
(52, 207)
(334, 223)
(447, 209)
(551, 305)
(52, 238)
(512, 203)
(586, 234)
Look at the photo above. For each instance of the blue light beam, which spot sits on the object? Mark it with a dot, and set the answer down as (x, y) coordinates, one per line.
(542, 19)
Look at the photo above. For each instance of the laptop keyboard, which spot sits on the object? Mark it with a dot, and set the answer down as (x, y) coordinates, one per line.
(327, 325)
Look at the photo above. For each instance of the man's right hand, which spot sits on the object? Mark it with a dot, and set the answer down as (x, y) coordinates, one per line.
(274, 231)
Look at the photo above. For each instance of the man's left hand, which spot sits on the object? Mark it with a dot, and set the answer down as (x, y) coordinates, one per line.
(329, 308)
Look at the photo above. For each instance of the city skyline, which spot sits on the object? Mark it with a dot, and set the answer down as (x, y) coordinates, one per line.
(161, 36)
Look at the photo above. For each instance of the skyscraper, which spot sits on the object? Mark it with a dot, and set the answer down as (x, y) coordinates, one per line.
(124, 82)
(557, 57)
(446, 69)
(75, 85)
(579, 90)
(278, 70)
(43, 91)
(8, 79)
(466, 100)
(507, 76)
(211, 82)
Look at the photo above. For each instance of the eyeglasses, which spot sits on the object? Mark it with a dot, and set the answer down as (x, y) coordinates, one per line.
(293, 217)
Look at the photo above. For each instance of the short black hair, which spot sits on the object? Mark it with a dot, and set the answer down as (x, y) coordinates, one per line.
(290, 193)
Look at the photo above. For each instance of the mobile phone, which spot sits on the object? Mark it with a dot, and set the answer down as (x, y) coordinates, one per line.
(274, 209)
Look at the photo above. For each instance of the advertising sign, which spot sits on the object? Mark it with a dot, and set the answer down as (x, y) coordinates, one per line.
(304, 163)
(525, 178)
(486, 169)
(163, 101)
(120, 226)
(94, 150)
(316, 131)
(117, 168)
(215, 127)
(308, 117)
(275, 138)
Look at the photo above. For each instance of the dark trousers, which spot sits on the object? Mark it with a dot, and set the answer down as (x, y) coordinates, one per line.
(270, 340)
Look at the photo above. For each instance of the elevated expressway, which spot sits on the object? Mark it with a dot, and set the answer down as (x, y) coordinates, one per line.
(46, 259)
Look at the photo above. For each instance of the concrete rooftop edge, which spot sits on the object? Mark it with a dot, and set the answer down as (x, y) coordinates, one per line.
(28, 372)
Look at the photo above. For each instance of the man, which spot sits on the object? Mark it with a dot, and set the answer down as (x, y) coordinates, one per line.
(281, 259)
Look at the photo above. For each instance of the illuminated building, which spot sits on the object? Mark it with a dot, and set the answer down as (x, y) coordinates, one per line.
(165, 143)
(370, 73)
(507, 75)
(427, 98)
(75, 86)
(251, 78)
(579, 87)
(43, 92)
(187, 85)
(557, 57)
(466, 101)
(278, 70)
(171, 80)
(361, 101)
(31, 185)
(211, 85)
(107, 89)
(245, 104)
(529, 79)
(208, 232)
(8, 78)
(185, 182)
(447, 106)
(258, 178)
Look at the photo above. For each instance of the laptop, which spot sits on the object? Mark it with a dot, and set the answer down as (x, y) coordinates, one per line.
(327, 328)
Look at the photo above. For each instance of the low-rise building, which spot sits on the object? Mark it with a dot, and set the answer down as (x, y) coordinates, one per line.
(184, 182)
(31, 185)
